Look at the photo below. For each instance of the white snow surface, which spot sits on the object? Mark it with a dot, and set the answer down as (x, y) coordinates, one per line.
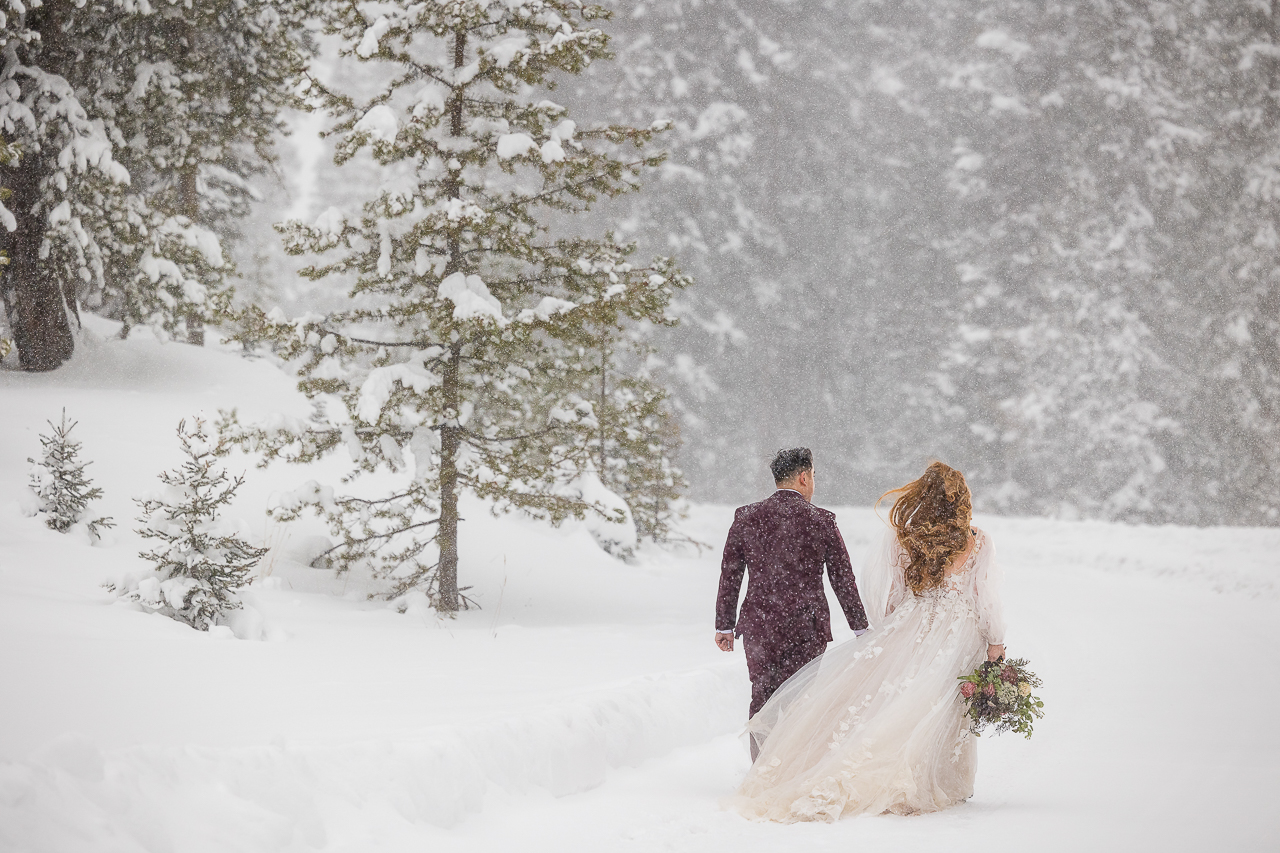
(7, 219)
(471, 298)
(505, 50)
(380, 384)
(372, 35)
(380, 123)
(552, 151)
(514, 145)
(1001, 40)
(431, 98)
(547, 308)
(331, 222)
(583, 707)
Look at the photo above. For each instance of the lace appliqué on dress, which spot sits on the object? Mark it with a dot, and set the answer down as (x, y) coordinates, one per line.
(879, 725)
(954, 591)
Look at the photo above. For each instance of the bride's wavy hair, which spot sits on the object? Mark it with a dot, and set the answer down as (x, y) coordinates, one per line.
(931, 516)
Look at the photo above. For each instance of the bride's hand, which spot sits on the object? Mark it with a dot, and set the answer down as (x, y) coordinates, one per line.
(995, 652)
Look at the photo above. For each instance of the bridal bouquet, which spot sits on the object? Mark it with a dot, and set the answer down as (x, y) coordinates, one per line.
(999, 694)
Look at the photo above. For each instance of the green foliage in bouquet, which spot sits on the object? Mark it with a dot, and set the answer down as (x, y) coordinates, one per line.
(999, 694)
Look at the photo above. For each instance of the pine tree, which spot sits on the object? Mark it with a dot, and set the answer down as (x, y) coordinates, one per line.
(201, 89)
(1046, 385)
(459, 345)
(137, 124)
(60, 483)
(801, 195)
(8, 154)
(1114, 350)
(1220, 334)
(200, 559)
(1036, 239)
(637, 436)
(63, 151)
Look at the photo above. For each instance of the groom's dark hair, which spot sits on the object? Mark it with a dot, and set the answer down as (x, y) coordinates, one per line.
(788, 463)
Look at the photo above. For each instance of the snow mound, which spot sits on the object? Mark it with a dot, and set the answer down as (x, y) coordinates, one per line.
(380, 123)
(261, 798)
(471, 298)
(515, 145)
(372, 35)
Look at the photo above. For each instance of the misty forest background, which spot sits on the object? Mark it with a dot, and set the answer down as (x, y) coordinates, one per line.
(1037, 240)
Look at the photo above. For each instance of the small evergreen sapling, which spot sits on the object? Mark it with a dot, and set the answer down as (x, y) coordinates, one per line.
(200, 559)
(60, 484)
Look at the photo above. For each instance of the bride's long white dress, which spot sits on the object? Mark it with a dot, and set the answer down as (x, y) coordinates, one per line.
(877, 723)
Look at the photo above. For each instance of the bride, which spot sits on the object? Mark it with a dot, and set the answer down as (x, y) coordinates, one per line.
(878, 724)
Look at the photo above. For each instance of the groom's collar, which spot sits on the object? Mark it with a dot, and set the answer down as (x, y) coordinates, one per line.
(793, 491)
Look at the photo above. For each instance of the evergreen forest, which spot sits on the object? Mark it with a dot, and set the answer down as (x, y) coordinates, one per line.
(1037, 240)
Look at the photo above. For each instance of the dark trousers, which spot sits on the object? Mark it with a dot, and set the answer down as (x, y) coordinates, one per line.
(769, 664)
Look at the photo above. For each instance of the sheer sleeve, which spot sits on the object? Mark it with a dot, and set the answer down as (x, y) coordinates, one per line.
(881, 582)
(988, 581)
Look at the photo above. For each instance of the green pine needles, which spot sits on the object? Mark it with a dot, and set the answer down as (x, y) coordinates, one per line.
(468, 357)
(998, 693)
(638, 436)
(200, 559)
(60, 484)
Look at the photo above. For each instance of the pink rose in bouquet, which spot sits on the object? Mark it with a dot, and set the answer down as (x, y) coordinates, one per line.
(998, 694)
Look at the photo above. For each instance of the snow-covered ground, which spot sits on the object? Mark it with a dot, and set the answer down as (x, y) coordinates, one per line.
(584, 706)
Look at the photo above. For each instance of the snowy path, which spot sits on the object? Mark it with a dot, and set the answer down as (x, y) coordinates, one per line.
(584, 707)
(1136, 752)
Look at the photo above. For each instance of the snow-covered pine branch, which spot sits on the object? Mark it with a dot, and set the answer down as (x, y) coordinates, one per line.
(200, 558)
(638, 440)
(139, 126)
(457, 361)
(202, 88)
(61, 487)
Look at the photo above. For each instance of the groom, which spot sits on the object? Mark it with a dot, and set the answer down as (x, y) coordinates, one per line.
(785, 541)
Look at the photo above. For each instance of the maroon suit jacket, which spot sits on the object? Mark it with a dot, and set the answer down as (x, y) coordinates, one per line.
(785, 541)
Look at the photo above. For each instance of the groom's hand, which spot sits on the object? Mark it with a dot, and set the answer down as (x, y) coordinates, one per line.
(724, 641)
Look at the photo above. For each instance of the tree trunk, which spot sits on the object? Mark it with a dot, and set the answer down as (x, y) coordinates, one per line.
(447, 533)
(604, 397)
(39, 313)
(189, 200)
(189, 195)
